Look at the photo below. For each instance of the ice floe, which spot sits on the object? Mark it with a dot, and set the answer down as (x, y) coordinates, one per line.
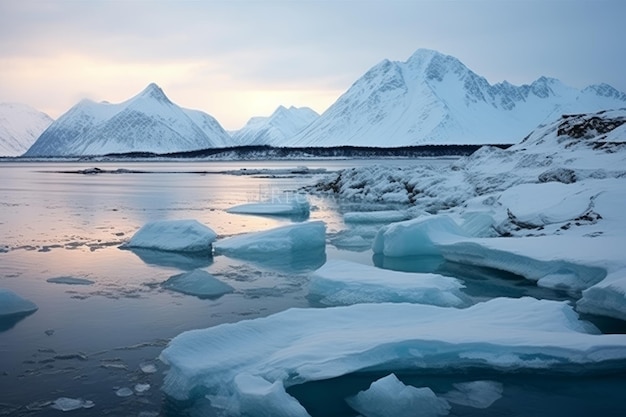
(124, 392)
(475, 394)
(71, 404)
(173, 235)
(345, 283)
(11, 304)
(380, 216)
(300, 345)
(199, 283)
(70, 281)
(284, 239)
(282, 205)
(389, 397)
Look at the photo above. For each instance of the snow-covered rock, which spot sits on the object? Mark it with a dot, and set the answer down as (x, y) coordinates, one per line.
(277, 129)
(433, 98)
(300, 345)
(345, 283)
(280, 240)
(11, 304)
(148, 122)
(173, 235)
(389, 397)
(199, 283)
(20, 126)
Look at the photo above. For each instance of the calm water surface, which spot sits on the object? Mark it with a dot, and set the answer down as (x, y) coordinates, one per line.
(88, 341)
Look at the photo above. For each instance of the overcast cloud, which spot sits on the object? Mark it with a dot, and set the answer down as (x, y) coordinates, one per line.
(238, 59)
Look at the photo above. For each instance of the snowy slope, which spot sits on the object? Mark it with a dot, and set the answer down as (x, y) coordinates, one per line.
(277, 129)
(148, 122)
(434, 99)
(20, 126)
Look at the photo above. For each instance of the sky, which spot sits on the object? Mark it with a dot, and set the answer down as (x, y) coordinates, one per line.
(237, 59)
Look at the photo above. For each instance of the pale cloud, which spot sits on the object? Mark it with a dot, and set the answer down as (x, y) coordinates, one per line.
(237, 59)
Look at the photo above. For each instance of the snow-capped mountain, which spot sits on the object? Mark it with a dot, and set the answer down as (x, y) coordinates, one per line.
(148, 122)
(20, 126)
(433, 98)
(277, 129)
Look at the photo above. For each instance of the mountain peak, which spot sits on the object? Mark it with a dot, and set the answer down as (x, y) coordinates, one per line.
(154, 92)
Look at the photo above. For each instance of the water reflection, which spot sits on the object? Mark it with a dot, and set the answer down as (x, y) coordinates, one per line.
(178, 260)
(288, 262)
(8, 322)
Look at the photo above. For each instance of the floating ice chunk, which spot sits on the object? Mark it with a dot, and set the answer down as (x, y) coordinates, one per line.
(419, 236)
(389, 397)
(291, 238)
(542, 204)
(293, 346)
(199, 283)
(285, 205)
(382, 216)
(141, 388)
(70, 404)
(261, 398)
(173, 235)
(345, 283)
(12, 304)
(476, 394)
(148, 367)
(124, 392)
(70, 281)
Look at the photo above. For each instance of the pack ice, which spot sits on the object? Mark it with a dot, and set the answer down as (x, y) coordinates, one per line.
(173, 235)
(549, 208)
(345, 283)
(264, 356)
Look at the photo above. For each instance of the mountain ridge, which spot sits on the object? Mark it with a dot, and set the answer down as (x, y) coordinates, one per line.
(20, 126)
(147, 122)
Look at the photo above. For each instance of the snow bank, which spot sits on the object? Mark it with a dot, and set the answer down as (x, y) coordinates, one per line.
(287, 205)
(12, 304)
(291, 238)
(173, 235)
(199, 283)
(345, 283)
(389, 397)
(300, 345)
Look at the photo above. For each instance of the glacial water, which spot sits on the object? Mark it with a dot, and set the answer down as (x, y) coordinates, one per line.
(89, 341)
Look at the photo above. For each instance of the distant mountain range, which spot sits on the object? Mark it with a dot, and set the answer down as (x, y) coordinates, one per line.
(20, 126)
(148, 122)
(431, 99)
(277, 129)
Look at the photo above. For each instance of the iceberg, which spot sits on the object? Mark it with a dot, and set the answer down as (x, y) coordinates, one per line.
(291, 238)
(173, 235)
(389, 397)
(199, 283)
(12, 304)
(300, 345)
(345, 283)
